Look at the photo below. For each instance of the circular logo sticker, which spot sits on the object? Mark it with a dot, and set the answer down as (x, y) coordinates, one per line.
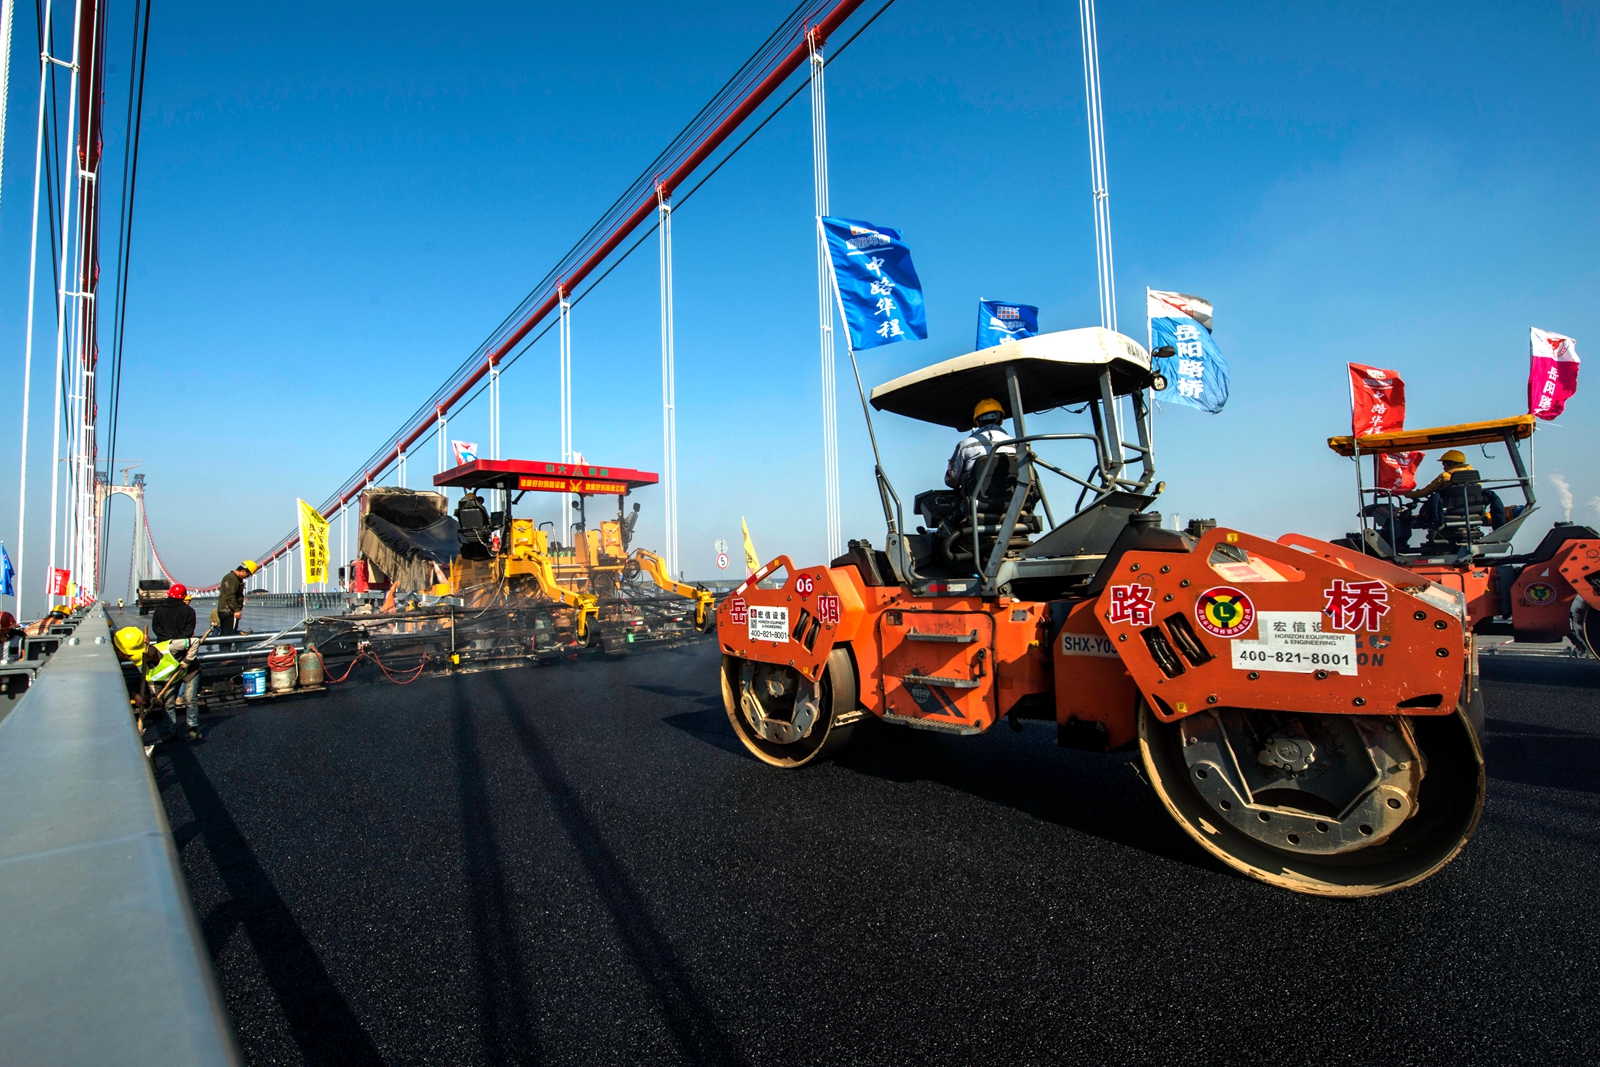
(1224, 611)
(1539, 594)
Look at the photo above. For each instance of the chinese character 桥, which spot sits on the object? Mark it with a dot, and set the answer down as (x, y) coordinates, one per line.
(1192, 388)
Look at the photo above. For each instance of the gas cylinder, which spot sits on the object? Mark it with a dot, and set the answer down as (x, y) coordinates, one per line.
(310, 666)
(281, 665)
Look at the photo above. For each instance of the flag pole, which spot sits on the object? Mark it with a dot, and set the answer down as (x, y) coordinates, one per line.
(1150, 401)
(885, 489)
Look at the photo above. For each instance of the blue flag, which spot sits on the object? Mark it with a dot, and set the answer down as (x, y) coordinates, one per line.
(1196, 373)
(7, 572)
(999, 322)
(878, 286)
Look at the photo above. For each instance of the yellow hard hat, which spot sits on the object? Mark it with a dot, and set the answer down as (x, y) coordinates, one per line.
(1453, 456)
(129, 640)
(251, 565)
(987, 406)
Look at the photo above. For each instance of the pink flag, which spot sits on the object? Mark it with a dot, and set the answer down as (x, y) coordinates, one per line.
(1398, 471)
(1552, 372)
(1377, 400)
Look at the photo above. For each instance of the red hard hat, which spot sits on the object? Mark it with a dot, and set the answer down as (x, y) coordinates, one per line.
(177, 591)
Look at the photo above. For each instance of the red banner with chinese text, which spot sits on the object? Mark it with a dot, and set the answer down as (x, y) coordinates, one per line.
(1397, 471)
(1377, 400)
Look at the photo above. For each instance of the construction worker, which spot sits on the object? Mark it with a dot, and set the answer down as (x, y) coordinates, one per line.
(158, 663)
(230, 596)
(1452, 461)
(174, 618)
(986, 437)
(10, 634)
(1436, 497)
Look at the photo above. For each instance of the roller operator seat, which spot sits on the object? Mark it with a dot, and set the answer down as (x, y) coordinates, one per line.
(948, 514)
(1460, 512)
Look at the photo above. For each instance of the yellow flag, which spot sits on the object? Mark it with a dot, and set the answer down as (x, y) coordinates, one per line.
(313, 544)
(752, 562)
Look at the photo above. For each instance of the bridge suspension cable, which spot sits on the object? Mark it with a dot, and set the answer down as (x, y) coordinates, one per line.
(784, 52)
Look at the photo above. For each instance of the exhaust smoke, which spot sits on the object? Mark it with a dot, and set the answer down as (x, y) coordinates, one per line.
(1564, 492)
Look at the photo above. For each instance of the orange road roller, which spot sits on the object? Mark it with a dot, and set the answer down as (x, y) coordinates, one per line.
(1308, 714)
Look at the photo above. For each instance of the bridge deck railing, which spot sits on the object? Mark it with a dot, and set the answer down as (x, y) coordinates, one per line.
(101, 957)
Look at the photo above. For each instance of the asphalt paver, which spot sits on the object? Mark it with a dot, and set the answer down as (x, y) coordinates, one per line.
(579, 864)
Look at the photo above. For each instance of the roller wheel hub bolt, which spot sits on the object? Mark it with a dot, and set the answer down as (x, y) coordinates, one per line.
(777, 686)
(1288, 753)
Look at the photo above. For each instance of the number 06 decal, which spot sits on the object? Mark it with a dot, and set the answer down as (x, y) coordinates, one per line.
(804, 584)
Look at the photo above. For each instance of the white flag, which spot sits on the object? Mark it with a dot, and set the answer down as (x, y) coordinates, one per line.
(1161, 305)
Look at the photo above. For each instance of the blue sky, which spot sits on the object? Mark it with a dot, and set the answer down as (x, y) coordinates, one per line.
(337, 205)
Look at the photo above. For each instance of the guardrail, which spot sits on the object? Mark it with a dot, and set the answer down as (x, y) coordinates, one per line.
(101, 958)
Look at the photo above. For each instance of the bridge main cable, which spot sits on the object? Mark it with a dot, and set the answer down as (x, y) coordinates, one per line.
(427, 418)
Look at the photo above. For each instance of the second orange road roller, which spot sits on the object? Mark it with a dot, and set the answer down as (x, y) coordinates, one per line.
(1309, 715)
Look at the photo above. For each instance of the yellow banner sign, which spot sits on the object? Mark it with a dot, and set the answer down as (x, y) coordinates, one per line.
(313, 544)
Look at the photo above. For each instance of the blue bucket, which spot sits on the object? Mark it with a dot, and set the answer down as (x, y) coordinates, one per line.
(255, 682)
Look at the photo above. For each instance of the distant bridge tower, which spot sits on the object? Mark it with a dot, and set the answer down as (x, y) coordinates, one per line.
(146, 560)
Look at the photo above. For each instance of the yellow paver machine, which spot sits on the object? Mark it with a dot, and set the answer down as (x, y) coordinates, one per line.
(512, 595)
(614, 594)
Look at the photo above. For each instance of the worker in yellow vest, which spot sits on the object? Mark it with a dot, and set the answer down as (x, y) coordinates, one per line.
(159, 664)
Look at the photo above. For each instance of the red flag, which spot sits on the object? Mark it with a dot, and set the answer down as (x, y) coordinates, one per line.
(59, 582)
(1397, 471)
(1552, 372)
(1377, 400)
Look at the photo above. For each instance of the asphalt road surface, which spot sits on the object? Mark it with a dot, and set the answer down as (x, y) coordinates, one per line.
(579, 864)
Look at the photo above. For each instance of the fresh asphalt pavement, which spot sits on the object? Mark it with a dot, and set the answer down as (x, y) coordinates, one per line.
(579, 864)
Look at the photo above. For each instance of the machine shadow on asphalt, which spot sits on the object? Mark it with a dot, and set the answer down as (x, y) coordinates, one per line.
(688, 1018)
(1099, 795)
(506, 1023)
(1545, 756)
(319, 1018)
(1541, 670)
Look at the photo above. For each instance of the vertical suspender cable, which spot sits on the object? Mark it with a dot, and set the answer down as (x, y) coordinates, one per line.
(130, 182)
(1097, 164)
(494, 409)
(67, 174)
(33, 271)
(7, 13)
(1102, 198)
(834, 532)
(669, 387)
(85, 525)
(564, 359)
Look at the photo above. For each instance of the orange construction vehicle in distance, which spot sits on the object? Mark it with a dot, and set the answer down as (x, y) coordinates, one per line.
(1309, 715)
(1464, 531)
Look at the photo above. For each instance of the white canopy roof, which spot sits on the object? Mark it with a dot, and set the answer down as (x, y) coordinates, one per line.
(1052, 369)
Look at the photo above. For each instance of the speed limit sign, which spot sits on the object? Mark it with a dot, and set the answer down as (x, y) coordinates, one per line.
(722, 560)
(720, 547)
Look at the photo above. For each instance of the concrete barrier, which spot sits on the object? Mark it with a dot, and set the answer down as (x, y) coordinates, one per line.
(101, 958)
